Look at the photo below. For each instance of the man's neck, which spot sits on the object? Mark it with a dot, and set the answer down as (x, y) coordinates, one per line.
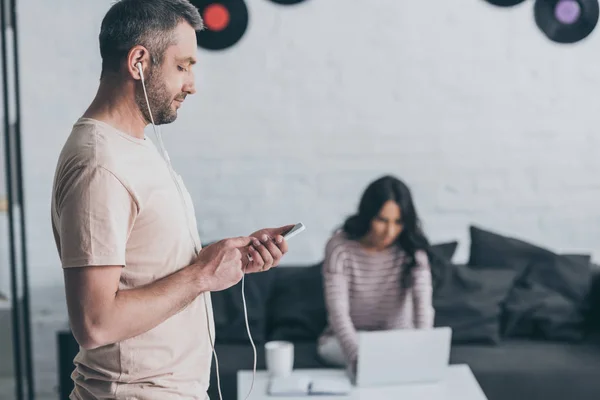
(115, 105)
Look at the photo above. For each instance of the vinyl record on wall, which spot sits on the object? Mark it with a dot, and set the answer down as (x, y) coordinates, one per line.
(505, 3)
(566, 21)
(287, 2)
(225, 23)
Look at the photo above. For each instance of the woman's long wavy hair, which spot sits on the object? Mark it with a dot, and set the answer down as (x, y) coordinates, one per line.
(411, 239)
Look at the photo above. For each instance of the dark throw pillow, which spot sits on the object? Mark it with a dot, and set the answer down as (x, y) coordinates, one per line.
(297, 304)
(470, 301)
(549, 297)
(534, 312)
(440, 259)
(489, 249)
(442, 251)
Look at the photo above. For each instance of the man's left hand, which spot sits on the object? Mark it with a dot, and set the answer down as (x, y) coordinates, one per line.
(267, 249)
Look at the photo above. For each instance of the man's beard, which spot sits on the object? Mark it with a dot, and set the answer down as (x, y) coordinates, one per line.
(160, 100)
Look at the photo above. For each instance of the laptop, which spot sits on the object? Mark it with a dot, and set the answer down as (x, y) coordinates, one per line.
(403, 356)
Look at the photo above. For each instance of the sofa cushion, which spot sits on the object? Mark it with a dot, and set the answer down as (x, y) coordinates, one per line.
(490, 249)
(550, 296)
(297, 305)
(228, 310)
(534, 312)
(565, 275)
(470, 302)
(440, 257)
(549, 299)
(443, 251)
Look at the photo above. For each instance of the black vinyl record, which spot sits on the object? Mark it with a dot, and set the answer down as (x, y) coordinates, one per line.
(225, 23)
(505, 3)
(287, 2)
(566, 21)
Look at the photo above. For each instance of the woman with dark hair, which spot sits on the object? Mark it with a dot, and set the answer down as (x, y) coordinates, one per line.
(376, 272)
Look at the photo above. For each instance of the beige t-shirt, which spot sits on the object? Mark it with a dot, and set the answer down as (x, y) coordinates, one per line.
(115, 201)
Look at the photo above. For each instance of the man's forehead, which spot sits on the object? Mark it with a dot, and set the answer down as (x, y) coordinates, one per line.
(185, 46)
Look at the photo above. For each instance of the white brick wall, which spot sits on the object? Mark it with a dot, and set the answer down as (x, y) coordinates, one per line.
(488, 121)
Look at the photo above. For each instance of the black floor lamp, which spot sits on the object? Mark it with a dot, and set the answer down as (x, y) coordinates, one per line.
(21, 324)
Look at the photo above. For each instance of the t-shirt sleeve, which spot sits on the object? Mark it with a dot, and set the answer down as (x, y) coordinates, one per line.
(94, 216)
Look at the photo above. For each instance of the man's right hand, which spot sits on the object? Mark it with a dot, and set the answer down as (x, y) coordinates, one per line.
(220, 264)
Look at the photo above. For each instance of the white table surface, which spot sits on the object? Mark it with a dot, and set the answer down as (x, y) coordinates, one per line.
(459, 384)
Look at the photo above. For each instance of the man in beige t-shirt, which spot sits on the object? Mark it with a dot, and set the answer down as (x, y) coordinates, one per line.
(136, 279)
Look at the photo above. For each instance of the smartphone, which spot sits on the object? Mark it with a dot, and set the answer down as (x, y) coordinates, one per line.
(299, 227)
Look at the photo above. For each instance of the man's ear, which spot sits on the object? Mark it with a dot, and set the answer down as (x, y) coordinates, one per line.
(138, 55)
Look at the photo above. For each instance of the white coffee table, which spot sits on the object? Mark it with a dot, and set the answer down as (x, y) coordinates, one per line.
(459, 384)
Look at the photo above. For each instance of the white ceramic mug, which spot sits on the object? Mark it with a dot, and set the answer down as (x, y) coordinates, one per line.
(279, 356)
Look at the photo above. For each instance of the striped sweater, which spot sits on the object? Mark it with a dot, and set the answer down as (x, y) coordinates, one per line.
(363, 292)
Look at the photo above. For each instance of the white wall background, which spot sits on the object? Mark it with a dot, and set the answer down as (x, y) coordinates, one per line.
(488, 121)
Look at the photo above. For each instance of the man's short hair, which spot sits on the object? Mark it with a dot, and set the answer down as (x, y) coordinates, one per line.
(149, 23)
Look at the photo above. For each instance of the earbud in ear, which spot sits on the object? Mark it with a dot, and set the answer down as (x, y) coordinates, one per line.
(139, 67)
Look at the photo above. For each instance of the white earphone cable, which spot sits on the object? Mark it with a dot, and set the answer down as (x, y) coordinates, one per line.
(250, 337)
(212, 345)
(156, 132)
(212, 342)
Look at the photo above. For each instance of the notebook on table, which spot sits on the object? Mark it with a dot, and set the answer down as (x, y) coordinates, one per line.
(303, 385)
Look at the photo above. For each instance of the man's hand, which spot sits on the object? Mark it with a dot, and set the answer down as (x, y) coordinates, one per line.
(221, 263)
(267, 249)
